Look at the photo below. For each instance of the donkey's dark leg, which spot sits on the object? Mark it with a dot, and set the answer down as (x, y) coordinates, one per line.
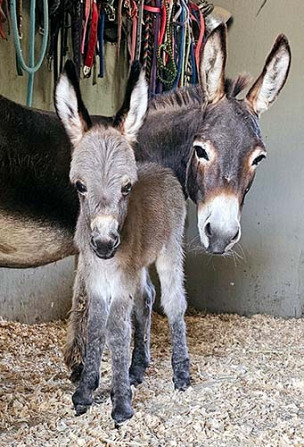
(74, 350)
(180, 357)
(119, 338)
(143, 304)
(170, 269)
(89, 380)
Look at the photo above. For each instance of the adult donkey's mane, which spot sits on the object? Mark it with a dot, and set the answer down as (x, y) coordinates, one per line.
(194, 96)
(185, 97)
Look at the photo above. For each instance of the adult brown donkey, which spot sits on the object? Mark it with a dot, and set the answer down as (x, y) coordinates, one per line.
(210, 139)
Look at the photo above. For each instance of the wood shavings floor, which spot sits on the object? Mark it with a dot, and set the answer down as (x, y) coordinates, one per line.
(247, 388)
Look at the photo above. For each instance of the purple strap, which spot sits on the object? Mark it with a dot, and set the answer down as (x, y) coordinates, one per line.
(101, 42)
(155, 48)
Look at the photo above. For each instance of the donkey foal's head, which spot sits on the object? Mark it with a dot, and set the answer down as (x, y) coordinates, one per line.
(103, 167)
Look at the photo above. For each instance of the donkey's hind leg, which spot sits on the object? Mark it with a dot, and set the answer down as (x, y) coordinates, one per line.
(169, 267)
(74, 350)
(143, 304)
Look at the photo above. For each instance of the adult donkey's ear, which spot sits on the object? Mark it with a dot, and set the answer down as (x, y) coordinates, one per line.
(131, 115)
(69, 105)
(213, 62)
(266, 88)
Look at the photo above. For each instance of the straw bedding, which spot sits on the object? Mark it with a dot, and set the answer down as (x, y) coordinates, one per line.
(247, 388)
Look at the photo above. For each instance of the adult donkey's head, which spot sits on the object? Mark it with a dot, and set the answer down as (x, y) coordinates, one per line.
(228, 146)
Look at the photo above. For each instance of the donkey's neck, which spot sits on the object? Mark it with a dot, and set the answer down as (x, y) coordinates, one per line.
(167, 135)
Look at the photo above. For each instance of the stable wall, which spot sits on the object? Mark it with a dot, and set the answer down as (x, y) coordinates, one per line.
(270, 277)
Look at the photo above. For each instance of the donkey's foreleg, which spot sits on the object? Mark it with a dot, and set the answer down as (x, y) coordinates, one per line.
(143, 303)
(89, 380)
(74, 350)
(119, 338)
(170, 270)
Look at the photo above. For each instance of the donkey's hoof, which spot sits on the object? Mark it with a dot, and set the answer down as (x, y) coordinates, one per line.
(136, 380)
(136, 375)
(181, 383)
(121, 412)
(81, 403)
(81, 409)
(76, 373)
(181, 375)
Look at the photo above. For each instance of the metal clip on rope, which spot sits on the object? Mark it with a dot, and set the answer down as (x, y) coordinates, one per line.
(110, 10)
(31, 68)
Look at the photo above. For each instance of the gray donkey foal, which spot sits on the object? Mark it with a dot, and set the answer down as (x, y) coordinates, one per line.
(130, 217)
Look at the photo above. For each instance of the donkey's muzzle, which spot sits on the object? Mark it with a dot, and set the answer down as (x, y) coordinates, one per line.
(219, 223)
(221, 241)
(105, 248)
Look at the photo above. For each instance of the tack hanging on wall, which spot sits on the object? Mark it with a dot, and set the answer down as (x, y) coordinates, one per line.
(167, 36)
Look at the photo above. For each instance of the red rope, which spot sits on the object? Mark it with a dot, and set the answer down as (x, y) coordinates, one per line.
(152, 9)
(163, 25)
(199, 42)
(134, 12)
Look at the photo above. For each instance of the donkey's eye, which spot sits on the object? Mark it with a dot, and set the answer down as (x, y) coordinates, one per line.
(258, 160)
(81, 188)
(201, 152)
(126, 189)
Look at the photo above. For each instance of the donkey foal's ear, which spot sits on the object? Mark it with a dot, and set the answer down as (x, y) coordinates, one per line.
(69, 105)
(267, 87)
(213, 61)
(131, 115)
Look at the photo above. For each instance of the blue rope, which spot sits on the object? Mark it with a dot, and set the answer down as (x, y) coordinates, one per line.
(193, 65)
(31, 68)
(101, 42)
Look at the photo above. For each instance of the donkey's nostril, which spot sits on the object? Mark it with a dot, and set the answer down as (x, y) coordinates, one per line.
(208, 230)
(116, 241)
(236, 235)
(93, 242)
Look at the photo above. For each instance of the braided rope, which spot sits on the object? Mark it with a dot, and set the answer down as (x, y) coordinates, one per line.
(147, 44)
(167, 70)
